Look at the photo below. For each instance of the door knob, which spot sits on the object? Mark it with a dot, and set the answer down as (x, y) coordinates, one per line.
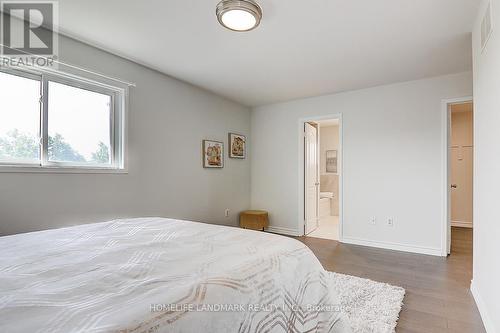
(453, 185)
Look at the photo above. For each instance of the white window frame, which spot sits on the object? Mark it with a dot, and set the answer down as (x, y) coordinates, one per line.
(119, 101)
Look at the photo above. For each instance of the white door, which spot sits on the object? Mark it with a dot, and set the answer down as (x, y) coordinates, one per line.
(311, 161)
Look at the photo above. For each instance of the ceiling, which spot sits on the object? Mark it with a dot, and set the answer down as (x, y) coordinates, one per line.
(301, 49)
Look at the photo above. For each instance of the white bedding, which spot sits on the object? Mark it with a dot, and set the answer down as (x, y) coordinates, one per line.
(162, 275)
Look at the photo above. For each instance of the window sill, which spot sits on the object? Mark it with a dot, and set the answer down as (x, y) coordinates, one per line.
(70, 170)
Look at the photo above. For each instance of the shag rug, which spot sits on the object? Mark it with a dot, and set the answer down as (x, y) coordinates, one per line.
(372, 307)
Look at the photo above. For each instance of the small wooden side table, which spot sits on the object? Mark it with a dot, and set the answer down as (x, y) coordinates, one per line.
(254, 219)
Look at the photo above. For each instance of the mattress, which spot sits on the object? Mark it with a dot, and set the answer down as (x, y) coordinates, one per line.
(163, 275)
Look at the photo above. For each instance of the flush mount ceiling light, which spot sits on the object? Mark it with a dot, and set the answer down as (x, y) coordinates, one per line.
(239, 15)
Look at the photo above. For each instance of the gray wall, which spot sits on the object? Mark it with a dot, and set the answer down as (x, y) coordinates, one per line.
(168, 119)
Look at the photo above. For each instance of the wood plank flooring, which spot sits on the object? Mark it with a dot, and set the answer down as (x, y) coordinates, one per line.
(437, 297)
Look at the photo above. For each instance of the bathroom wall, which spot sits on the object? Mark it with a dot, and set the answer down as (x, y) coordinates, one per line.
(329, 140)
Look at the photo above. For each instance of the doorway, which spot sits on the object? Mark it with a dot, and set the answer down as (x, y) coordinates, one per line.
(322, 178)
(461, 154)
(460, 163)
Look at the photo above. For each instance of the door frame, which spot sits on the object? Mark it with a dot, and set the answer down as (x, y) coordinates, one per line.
(301, 175)
(446, 172)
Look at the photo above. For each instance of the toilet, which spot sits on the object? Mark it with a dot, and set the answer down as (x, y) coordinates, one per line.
(325, 204)
(328, 195)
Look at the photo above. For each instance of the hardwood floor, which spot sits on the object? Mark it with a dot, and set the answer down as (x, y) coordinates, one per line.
(437, 297)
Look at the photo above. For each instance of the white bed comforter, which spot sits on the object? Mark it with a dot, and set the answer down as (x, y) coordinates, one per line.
(162, 275)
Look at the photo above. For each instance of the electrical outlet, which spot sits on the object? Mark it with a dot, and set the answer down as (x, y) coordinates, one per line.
(226, 212)
(373, 220)
(390, 222)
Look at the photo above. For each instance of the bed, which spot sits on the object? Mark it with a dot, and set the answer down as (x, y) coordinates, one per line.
(162, 275)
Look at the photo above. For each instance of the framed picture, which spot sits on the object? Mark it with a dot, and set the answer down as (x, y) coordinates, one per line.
(331, 161)
(237, 146)
(213, 154)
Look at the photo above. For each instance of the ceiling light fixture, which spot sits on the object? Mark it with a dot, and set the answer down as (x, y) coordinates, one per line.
(239, 15)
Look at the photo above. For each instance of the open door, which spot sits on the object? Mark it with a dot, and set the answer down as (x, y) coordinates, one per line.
(311, 177)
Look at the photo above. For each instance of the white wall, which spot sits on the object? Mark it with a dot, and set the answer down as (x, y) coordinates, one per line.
(392, 154)
(168, 119)
(486, 274)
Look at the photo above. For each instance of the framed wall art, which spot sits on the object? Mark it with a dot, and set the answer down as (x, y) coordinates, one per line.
(213, 154)
(331, 161)
(237, 146)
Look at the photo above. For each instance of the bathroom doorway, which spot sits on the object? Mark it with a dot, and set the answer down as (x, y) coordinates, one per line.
(458, 145)
(322, 178)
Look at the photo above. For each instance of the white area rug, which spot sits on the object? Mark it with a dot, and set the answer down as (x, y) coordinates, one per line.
(372, 307)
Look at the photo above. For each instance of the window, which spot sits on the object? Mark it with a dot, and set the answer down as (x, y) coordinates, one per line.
(53, 121)
(79, 125)
(19, 119)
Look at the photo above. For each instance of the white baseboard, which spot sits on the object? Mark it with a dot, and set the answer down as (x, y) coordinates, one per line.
(461, 224)
(394, 246)
(488, 324)
(283, 231)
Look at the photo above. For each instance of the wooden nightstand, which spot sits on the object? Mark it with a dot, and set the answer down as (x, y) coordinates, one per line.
(254, 219)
